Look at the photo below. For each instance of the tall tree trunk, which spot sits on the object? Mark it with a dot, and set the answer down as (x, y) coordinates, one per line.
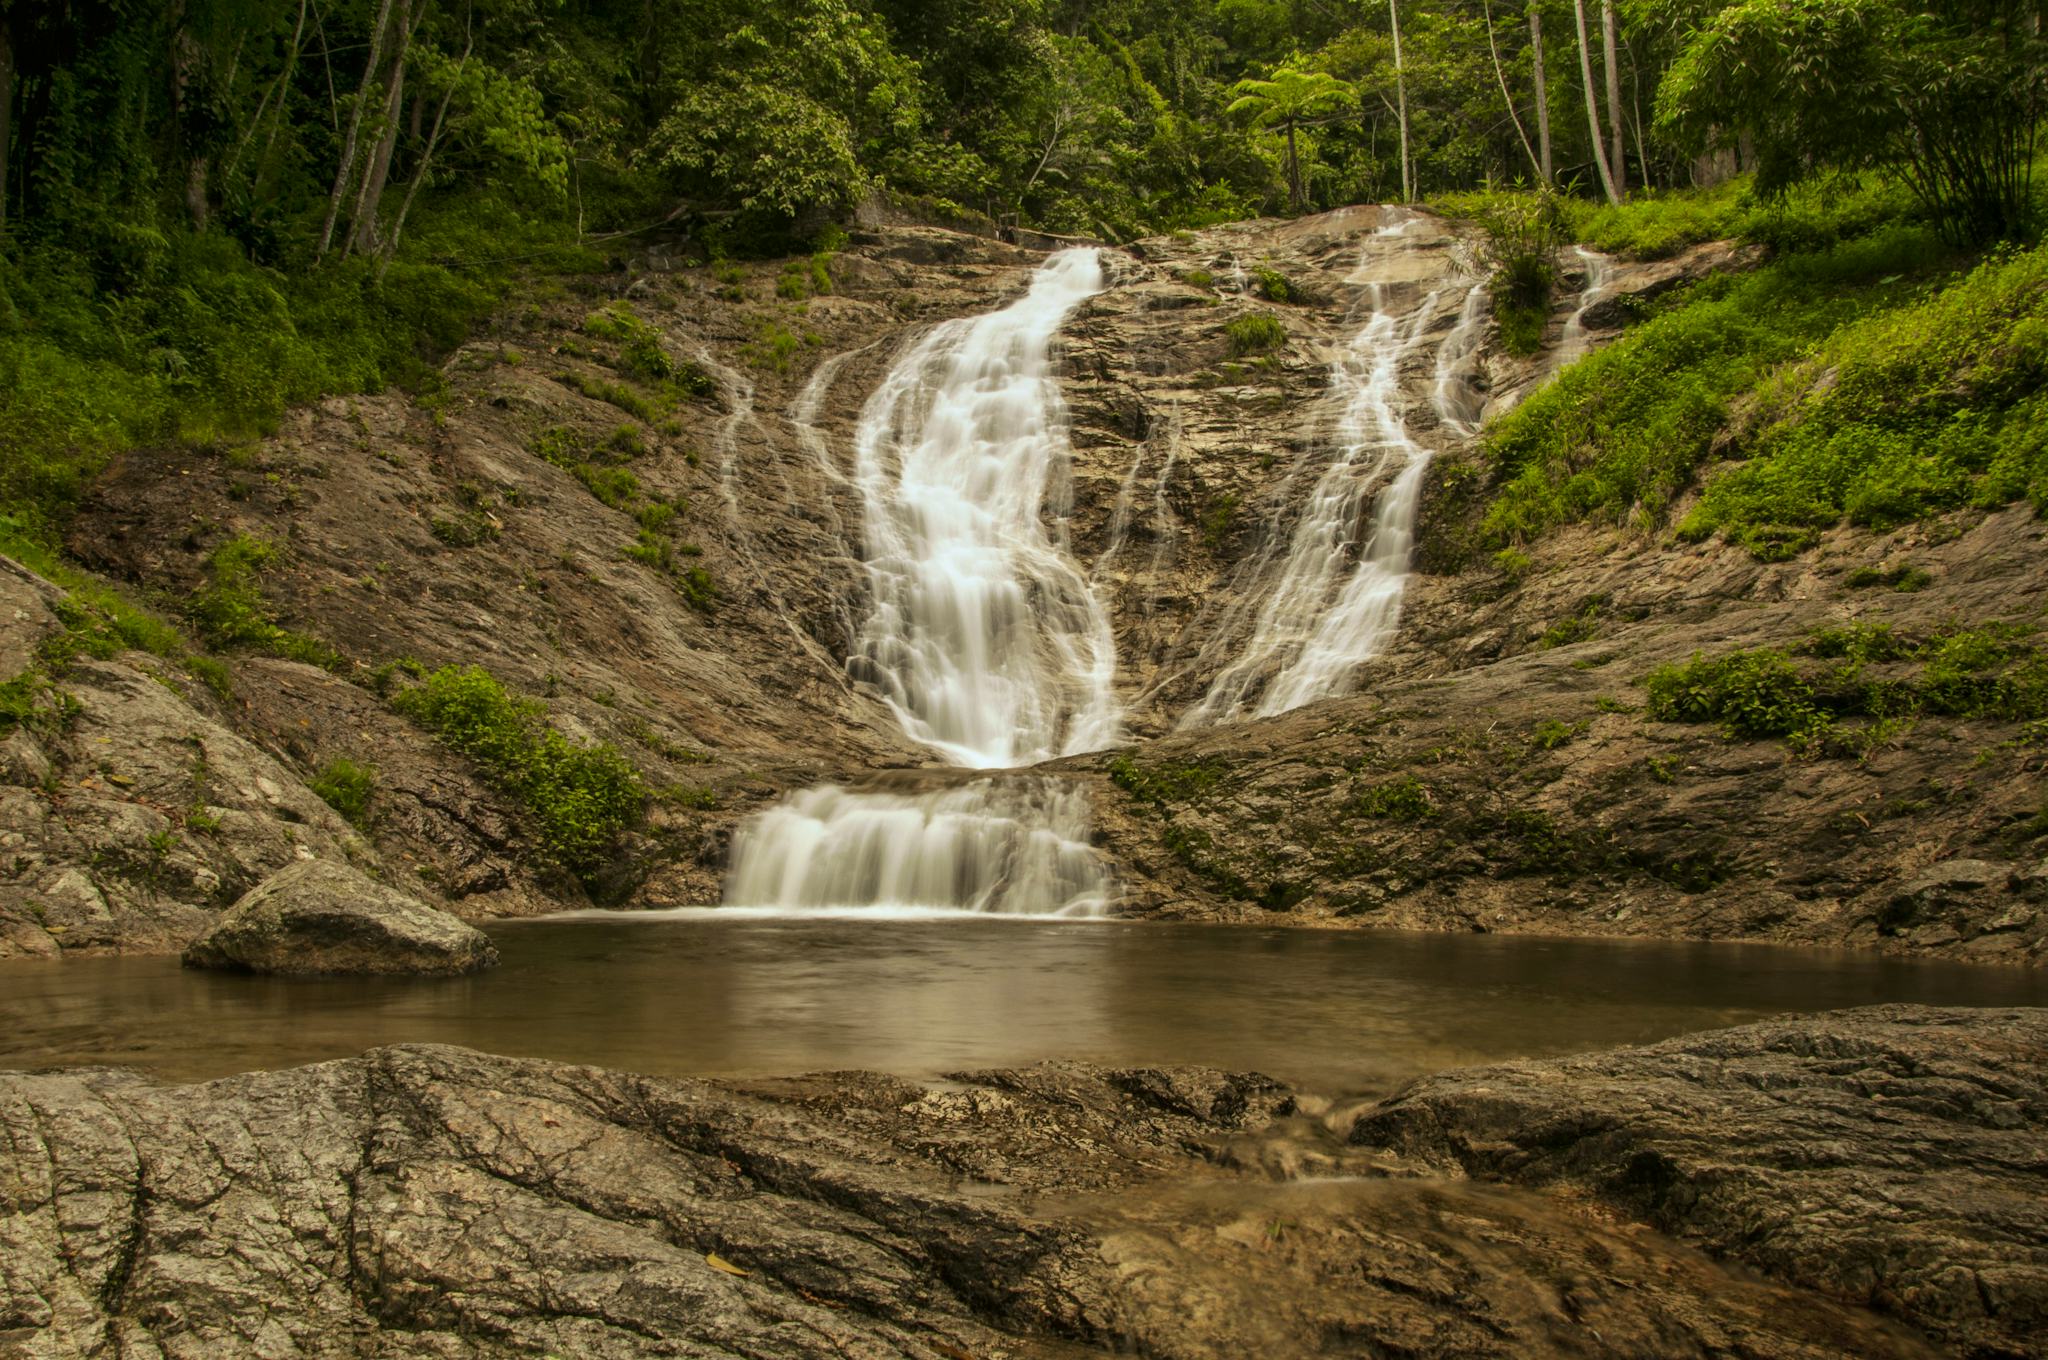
(370, 197)
(1293, 169)
(345, 173)
(426, 165)
(1401, 92)
(185, 59)
(1617, 160)
(6, 105)
(274, 91)
(1542, 94)
(1593, 106)
(1506, 98)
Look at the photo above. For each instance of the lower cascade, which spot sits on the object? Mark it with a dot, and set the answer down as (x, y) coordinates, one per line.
(1011, 845)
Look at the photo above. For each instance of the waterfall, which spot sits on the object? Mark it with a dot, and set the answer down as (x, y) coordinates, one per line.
(1016, 845)
(1320, 620)
(1458, 403)
(983, 636)
(1573, 342)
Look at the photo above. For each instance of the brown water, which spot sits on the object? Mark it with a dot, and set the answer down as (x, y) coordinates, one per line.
(1328, 1010)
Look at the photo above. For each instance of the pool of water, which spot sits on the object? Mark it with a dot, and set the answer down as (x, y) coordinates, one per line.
(706, 994)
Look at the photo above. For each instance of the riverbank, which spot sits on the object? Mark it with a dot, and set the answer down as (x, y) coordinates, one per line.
(1663, 1200)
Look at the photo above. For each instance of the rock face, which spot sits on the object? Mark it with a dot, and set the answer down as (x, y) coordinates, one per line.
(1894, 1155)
(473, 532)
(320, 917)
(435, 1202)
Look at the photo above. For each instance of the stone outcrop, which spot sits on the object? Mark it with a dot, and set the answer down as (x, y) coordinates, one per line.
(430, 1201)
(1893, 1155)
(320, 917)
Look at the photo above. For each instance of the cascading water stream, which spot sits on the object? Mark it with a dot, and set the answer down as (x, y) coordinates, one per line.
(1573, 342)
(984, 638)
(1319, 620)
(1015, 846)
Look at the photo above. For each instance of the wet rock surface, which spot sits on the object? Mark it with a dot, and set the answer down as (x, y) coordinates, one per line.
(1892, 1155)
(431, 1201)
(319, 917)
(458, 533)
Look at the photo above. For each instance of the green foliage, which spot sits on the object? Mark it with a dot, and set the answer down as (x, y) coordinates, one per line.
(1905, 577)
(642, 354)
(581, 797)
(1169, 781)
(1404, 799)
(1990, 672)
(1218, 516)
(232, 615)
(1576, 627)
(625, 398)
(1949, 98)
(1523, 235)
(1254, 333)
(1901, 414)
(347, 787)
(1552, 733)
(1617, 436)
(1751, 694)
(1274, 286)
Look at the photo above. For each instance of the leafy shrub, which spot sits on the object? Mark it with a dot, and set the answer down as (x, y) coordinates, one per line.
(1751, 694)
(619, 395)
(1168, 781)
(231, 613)
(1405, 799)
(581, 797)
(347, 787)
(1254, 333)
(1924, 408)
(1274, 286)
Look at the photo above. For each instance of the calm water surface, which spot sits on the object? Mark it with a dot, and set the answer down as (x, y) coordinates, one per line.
(1328, 1010)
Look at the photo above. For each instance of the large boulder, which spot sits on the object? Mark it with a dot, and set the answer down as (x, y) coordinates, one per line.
(322, 917)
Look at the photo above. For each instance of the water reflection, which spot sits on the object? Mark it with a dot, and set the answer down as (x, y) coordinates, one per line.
(709, 995)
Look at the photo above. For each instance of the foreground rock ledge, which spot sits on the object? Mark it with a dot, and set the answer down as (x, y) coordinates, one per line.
(428, 1201)
(319, 917)
(1895, 1155)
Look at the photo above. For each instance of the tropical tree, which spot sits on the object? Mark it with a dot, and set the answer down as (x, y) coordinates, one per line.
(1949, 97)
(1287, 99)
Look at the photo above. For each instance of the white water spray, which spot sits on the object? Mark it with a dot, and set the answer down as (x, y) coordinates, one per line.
(984, 638)
(1573, 342)
(1015, 845)
(1459, 404)
(1338, 594)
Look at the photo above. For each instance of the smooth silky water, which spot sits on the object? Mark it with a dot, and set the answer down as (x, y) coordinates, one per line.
(719, 993)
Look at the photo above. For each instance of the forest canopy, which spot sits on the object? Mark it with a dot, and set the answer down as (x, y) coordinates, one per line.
(213, 209)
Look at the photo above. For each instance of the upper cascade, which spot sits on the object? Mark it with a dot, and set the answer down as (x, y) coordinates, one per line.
(985, 638)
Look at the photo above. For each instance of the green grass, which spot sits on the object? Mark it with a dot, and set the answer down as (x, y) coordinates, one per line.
(581, 797)
(1404, 799)
(1862, 672)
(1254, 333)
(1655, 223)
(1900, 414)
(1620, 434)
(1168, 781)
(347, 787)
(179, 339)
(231, 613)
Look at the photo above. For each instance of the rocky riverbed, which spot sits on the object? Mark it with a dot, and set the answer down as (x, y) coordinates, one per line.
(1864, 1182)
